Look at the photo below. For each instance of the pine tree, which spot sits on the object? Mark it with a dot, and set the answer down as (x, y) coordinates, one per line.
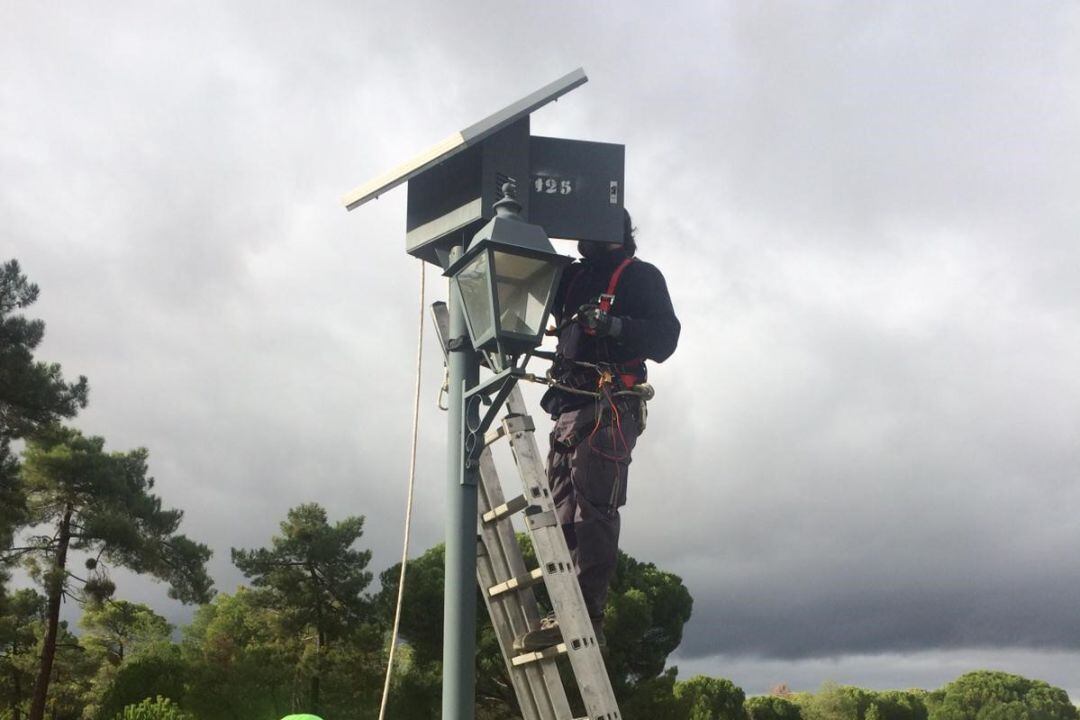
(99, 503)
(21, 616)
(313, 577)
(33, 394)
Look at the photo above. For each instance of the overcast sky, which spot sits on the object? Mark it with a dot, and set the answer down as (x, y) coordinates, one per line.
(865, 449)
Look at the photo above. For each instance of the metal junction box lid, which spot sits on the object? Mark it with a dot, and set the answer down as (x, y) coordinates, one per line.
(576, 188)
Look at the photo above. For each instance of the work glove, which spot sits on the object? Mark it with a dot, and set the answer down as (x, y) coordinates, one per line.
(598, 322)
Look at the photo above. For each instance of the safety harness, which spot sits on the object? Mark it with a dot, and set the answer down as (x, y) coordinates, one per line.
(627, 371)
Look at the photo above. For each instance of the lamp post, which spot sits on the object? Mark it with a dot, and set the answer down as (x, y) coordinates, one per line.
(459, 597)
(502, 287)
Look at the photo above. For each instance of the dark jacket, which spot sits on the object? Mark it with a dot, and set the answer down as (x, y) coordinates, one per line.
(650, 330)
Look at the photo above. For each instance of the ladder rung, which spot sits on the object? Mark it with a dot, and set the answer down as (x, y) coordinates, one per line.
(545, 654)
(519, 423)
(521, 581)
(493, 435)
(506, 509)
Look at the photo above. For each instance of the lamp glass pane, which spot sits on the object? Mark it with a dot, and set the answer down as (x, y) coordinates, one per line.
(473, 282)
(524, 287)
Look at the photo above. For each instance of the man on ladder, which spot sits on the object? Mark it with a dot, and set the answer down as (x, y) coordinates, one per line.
(612, 313)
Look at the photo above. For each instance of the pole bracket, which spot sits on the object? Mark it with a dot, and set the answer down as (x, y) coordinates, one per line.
(493, 393)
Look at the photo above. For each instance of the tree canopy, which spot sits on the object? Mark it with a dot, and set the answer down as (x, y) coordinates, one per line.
(99, 503)
(314, 578)
(771, 707)
(845, 702)
(33, 394)
(311, 572)
(709, 698)
(992, 695)
(120, 630)
(21, 617)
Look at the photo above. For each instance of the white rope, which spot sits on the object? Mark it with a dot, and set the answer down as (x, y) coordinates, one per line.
(408, 502)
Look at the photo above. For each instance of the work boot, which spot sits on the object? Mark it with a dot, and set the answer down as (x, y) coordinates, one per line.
(547, 635)
(550, 634)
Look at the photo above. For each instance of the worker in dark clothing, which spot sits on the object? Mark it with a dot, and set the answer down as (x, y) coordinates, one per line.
(612, 313)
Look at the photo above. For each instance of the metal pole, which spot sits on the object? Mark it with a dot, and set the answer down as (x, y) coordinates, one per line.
(459, 599)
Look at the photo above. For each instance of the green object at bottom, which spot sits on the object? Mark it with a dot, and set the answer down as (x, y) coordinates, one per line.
(302, 716)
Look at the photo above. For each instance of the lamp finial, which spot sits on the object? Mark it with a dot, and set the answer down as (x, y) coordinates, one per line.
(508, 206)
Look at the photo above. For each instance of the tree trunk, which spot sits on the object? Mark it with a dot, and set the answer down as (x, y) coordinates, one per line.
(16, 681)
(16, 704)
(318, 671)
(320, 639)
(56, 593)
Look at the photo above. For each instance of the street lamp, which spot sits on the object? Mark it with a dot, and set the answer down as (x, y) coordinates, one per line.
(506, 282)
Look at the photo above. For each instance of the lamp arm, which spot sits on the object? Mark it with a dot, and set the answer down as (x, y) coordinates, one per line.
(501, 385)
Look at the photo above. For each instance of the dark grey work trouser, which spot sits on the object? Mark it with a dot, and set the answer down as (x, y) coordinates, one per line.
(587, 470)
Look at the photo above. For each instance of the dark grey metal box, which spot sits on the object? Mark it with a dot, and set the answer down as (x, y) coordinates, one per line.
(576, 188)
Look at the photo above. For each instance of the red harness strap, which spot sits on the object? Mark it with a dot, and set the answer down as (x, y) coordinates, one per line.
(629, 379)
(608, 298)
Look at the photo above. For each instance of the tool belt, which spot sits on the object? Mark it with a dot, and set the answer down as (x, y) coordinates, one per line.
(595, 380)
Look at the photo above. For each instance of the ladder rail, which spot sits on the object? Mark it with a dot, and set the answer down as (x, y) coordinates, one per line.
(531, 702)
(539, 689)
(507, 585)
(560, 576)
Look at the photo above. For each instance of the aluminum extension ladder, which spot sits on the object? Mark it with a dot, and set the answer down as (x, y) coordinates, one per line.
(507, 585)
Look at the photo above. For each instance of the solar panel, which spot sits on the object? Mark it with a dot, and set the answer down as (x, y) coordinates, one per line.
(468, 137)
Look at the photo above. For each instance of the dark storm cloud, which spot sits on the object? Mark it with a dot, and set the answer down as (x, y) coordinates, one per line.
(866, 442)
(895, 481)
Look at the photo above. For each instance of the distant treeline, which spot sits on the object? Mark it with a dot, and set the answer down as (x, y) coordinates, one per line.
(262, 652)
(298, 641)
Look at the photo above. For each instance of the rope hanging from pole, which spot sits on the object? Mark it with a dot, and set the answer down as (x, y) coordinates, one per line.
(409, 500)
